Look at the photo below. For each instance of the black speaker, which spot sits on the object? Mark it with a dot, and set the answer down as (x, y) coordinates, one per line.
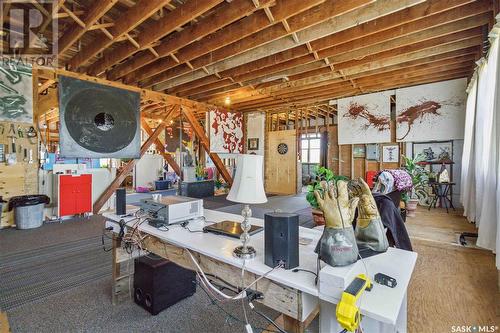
(121, 202)
(281, 233)
(159, 284)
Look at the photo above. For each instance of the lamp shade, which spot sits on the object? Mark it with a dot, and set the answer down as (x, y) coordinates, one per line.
(248, 185)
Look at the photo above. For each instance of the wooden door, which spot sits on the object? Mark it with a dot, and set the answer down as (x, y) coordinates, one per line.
(281, 162)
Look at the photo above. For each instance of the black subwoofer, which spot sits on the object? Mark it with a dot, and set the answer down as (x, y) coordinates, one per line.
(159, 284)
(281, 233)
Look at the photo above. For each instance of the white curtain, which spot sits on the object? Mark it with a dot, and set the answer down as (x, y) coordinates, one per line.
(480, 177)
(468, 186)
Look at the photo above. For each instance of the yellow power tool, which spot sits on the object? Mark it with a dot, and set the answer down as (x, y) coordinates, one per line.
(348, 314)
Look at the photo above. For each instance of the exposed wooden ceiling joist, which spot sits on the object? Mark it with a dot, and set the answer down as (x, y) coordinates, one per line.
(123, 24)
(333, 17)
(76, 31)
(178, 17)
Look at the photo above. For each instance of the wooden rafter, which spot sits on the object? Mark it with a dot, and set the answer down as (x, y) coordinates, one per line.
(120, 177)
(161, 147)
(202, 136)
(76, 30)
(123, 24)
(224, 37)
(157, 30)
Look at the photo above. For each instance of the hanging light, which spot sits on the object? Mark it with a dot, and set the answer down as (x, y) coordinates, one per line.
(227, 101)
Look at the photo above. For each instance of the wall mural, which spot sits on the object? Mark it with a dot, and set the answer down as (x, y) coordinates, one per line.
(433, 111)
(226, 132)
(365, 118)
(16, 93)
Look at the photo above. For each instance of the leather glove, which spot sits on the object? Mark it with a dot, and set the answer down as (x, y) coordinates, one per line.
(337, 246)
(334, 201)
(369, 228)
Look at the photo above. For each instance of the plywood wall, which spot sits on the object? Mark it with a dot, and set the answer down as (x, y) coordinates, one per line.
(281, 169)
(342, 162)
(22, 177)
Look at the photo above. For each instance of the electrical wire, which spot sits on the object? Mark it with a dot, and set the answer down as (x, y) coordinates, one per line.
(239, 295)
(266, 318)
(242, 285)
(230, 315)
(295, 270)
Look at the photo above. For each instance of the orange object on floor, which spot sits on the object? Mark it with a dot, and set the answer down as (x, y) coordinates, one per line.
(4, 323)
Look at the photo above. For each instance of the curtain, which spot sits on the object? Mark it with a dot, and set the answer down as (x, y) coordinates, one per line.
(484, 97)
(480, 178)
(467, 179)
(488, 219)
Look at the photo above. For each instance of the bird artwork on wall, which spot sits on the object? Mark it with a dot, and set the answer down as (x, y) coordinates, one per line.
(365, 119)
(433, 111)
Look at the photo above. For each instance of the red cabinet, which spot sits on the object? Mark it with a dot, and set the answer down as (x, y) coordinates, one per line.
(75, 194)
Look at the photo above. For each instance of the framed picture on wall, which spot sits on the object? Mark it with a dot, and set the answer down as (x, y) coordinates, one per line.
(390, 154)
(372, 152)
(253, 144)
(434, 151)
(358, 151)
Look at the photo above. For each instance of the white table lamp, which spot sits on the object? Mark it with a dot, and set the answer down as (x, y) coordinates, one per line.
(248, 188)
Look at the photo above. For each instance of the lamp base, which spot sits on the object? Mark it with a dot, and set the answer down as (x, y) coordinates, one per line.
(244, 253)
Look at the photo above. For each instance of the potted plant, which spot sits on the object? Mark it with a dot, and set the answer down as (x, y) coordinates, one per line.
(200, 172)
(419, 178)
(321, 174)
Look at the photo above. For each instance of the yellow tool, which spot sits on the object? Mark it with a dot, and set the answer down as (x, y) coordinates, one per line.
(348, 314)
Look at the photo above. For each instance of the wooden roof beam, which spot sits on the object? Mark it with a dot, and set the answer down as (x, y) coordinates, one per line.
(333, 17)
(162, 27)
(76, 30)
(278, 61)
(227, 14)
(129, 20)
(225, 40)
(309, 80)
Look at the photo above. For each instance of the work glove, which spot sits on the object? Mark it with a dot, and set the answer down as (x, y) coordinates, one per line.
(369, 228)
(337, 246)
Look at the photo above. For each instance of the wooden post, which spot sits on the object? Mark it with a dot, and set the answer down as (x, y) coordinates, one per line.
(200, 133)
(161, 147)
(130, 165)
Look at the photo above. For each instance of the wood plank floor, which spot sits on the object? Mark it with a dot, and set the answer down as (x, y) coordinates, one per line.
(452, 285)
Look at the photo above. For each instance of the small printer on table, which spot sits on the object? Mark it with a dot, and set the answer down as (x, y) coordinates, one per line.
(171, 210)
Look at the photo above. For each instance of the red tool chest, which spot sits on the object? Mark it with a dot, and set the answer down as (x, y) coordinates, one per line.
(75, 194)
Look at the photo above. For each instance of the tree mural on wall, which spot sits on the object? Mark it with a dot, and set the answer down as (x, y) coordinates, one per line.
(226, 131)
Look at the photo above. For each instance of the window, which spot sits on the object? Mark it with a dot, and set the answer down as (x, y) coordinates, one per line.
(310, 145)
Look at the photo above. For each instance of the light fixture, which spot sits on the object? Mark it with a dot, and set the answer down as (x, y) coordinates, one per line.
(248, 188)
(227, 101)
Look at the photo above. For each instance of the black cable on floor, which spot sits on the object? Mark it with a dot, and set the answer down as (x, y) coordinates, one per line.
(230, 315)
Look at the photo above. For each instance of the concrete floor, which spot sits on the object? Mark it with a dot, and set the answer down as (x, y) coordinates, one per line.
(451, 285)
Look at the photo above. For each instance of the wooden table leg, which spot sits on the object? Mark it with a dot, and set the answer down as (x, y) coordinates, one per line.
(292, 325)
(116, 268)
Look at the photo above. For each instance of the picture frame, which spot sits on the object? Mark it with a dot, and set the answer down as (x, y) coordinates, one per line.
(253, 144)
(372, 152)
(390, 154)
(359, 151)
(434, 151)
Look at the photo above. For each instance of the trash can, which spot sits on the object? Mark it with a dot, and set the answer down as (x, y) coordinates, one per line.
(28, 210)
